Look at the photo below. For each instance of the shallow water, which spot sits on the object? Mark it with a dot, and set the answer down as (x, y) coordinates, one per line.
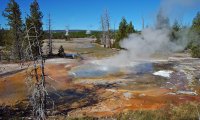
(91, 70)
(140, 68)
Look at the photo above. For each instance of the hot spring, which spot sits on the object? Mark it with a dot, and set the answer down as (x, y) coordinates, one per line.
(95, 69)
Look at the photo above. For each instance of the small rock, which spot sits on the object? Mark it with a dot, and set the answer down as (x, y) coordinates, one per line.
(171, 93)
(111, 90)
(187, 93)
(142, 95)
(128, 95)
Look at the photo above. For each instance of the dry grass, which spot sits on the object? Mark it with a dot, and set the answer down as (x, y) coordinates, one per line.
(187, 111)
(81, 46)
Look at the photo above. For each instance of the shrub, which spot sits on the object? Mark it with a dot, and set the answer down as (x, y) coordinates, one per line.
(195, 51)
(61, 51)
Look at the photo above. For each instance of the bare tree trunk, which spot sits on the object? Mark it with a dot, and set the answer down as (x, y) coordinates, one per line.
(39, 90)
(105, 23)
(103, 38)
(107, 19)
(50, 40)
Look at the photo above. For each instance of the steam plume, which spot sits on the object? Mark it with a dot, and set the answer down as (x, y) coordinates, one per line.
(153, 40)
(178, 7)
(141, 47)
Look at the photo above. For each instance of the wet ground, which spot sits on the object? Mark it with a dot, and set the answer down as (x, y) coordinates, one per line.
(82, 88)
(176, 81)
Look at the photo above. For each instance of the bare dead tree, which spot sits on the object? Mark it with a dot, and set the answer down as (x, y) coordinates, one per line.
(49, 35)
(107, 20)
(142, 22)
(103, 38)
(38, 97)
(105, 25)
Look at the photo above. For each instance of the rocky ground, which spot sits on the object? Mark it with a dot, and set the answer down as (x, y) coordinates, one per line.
(176, 81)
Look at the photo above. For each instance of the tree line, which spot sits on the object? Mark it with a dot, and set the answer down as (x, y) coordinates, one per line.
(14, 43)
(13, 40)
(194, 44)
(193, 34)
(72, 34)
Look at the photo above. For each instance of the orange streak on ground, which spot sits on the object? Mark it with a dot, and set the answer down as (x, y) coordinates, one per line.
(145, 103)
(58, 75)
(116, 103)
(13, 88)
(150, 92)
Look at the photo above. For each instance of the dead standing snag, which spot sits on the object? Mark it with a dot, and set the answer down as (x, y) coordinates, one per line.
(38, 97)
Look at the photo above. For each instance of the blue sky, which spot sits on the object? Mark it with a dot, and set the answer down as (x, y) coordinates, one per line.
(85, 14)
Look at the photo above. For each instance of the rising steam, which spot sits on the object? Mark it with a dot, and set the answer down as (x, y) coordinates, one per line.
(141, 47)
(182, 5)
(177, 8)
(154, 40)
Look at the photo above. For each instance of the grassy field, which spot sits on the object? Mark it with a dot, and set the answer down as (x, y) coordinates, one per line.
(83, 46)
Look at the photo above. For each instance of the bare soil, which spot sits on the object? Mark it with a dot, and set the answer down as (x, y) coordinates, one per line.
(98, 97)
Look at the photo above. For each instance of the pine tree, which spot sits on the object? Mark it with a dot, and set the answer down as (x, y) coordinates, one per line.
(196, 24)
(130, 28)
(195, 40)
(35, 20)
(123, 28)
(176, 26)
(121, 33)
(1, 37)
(61, 51)
(162, 21)
(13, 14)
(174, 32)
